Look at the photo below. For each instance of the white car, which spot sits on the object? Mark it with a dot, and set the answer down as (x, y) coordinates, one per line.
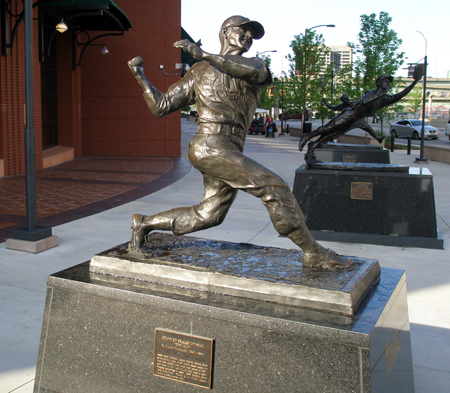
(413, 128)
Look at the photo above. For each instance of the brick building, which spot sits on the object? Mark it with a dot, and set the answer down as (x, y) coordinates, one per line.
(87, 103)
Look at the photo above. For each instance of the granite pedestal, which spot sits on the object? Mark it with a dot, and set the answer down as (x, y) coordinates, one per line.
(342, 152)
(358, 206)
(105, 333)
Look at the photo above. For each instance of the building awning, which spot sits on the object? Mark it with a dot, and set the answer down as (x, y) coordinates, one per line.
(87, 15)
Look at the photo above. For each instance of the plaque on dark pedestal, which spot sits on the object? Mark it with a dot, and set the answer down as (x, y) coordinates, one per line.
(387, 208)
(104, 333)
(342, 152)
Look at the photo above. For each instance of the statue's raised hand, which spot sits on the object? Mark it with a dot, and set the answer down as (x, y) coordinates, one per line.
(136, 66)
(419, 71)
(190, 48)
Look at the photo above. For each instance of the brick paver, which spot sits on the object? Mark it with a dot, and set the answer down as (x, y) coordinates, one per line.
(85, 186)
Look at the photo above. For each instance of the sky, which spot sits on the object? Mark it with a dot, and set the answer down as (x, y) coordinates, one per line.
(283, 19)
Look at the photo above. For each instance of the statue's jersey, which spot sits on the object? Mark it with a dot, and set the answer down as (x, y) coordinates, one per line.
(223, 98)
(219, 97)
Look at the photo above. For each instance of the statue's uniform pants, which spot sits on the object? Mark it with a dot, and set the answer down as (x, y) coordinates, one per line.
(216, 151)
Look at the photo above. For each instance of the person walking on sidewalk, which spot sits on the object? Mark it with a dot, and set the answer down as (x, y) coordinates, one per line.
(225, 89)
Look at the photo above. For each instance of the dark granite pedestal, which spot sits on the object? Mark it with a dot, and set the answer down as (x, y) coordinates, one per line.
(358, 206)
(104, 333)
(342, 152)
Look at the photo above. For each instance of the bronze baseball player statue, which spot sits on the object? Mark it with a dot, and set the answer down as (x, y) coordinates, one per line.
(225, 89)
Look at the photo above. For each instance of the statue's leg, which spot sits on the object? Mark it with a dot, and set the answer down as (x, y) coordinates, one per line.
(242, 172)
(211, 211)
(322, 130)
(288, 219)
(363, 125)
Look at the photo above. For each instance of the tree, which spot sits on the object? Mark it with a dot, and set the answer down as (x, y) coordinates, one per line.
(267, 99)
(306, 66)
(378, 53)
(378, 46)
(324, 90)
(414, 100)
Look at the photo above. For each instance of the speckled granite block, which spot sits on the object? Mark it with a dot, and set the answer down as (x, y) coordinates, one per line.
(342, 152)
(98, 336)
(358, 206)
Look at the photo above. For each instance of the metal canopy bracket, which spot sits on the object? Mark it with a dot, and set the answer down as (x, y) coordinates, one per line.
(79, 15)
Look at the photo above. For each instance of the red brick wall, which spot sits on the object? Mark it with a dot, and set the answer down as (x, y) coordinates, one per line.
(101, 110)
(12, 99)
(115, 117)
(69, 96)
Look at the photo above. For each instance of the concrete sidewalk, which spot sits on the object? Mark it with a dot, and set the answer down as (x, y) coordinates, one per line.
(23, 276)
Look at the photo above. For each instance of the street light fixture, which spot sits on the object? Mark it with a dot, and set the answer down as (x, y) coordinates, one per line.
(422, 136)
(266, 51)
(320, 26)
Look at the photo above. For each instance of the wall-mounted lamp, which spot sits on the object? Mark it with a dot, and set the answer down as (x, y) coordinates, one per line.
(61, 26)
(104, 50)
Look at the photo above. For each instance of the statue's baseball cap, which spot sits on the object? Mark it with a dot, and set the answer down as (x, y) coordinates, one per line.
(237, 21)
(383, 77)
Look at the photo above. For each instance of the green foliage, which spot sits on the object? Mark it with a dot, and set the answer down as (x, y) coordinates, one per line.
(376, 54)
(378, 48)
(306, 80)
(267, 99)
(413, 100)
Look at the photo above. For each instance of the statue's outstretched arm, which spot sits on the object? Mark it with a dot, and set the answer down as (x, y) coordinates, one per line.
(178, 95)
(253, 70)
(418, 73)
(391, 99)
(333, 107)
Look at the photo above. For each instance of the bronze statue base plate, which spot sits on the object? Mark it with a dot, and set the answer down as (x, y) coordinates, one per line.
(239, 269)
(357, 166)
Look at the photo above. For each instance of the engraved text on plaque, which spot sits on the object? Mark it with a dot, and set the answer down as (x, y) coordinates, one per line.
(183, 358)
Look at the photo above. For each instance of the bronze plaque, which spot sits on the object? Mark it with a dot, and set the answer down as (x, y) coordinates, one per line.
(362, 190)
(349, 158)
(183, 358)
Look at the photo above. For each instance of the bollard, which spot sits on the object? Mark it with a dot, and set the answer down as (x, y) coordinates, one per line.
(392, 142)
(287, 129)
(409, 146)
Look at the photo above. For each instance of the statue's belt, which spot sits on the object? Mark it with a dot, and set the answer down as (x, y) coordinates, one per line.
(235, 133)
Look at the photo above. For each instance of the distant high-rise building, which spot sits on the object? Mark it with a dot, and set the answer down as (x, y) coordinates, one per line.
(340, 56)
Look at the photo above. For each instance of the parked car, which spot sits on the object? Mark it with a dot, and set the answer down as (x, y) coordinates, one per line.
(257, 127)
(448, 130)
(413, 128)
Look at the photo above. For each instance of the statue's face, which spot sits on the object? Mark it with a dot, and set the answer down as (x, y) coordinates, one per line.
(385, 84)
(240, 37)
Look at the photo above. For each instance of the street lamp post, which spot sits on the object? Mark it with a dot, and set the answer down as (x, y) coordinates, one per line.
(281, 79)
(30, 233)
(422, 136)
